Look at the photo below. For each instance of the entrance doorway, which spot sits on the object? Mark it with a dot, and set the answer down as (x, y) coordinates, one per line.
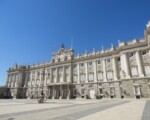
(92, 94)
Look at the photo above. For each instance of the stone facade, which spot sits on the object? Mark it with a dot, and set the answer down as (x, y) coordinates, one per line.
(118, 72)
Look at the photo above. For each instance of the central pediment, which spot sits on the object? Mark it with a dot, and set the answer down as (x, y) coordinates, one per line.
(62, 55)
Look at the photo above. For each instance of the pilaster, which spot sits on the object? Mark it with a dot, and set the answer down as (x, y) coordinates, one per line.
(86, 72)
(40, 79)
(71, 75)
(51, 76)
(31, 79)
(139, 64)
(53, 97)
(114, 68)
(56, 76)
(125, 65)
(45, 78)
(35, 81)
(104, 70)
(78, 72)
(95, 72)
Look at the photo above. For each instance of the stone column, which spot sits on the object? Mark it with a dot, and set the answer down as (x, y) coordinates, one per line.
(14, 80)
(78, 72)
(71, 74)
(40, 79)
(139, 64)
(45, 81)
(31, 79)
(115, 69)
(9, 80)
(125, 65)
(86, 72)
(63, 74)
(53, 97)
(56, 76)
(68, 96)
(18, 80)
(26, 79)
(35, 81)
(95, 72)
(104, 70)
(51, 76)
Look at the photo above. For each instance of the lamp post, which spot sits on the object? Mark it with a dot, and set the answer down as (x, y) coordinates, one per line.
(41, 98)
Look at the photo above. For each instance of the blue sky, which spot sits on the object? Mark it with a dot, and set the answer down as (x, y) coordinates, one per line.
(31, 29)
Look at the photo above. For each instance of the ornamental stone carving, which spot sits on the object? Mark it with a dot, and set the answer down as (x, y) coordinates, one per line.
(146, 59)
(67, 70)
(90, 69)
(60, 71)
(82, 69)
(62, 55)
(132, 61)
(109, 66)
(54, 72)
(99, 68)
(75, 69)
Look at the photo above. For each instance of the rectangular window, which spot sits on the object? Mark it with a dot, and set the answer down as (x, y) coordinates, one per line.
(118, 59)
(112, 91)
(101, 91)
(137, 90)
(144, 52)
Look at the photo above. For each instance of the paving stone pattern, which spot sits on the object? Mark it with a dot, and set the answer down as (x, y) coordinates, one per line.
(146, 112)
(81, 114)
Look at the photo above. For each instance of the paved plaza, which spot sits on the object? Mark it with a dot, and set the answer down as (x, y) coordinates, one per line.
(106, 109)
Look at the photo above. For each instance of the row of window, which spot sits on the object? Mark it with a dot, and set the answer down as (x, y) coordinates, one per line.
(137, 90)
(144, 52)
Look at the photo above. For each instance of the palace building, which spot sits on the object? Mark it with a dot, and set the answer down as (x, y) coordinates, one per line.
(118, 72)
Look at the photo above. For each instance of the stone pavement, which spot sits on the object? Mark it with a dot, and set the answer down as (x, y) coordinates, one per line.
(105, 109)
(129, 111)
(146, 112)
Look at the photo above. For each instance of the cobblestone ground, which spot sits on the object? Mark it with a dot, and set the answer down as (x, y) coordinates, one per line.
(105, 109)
